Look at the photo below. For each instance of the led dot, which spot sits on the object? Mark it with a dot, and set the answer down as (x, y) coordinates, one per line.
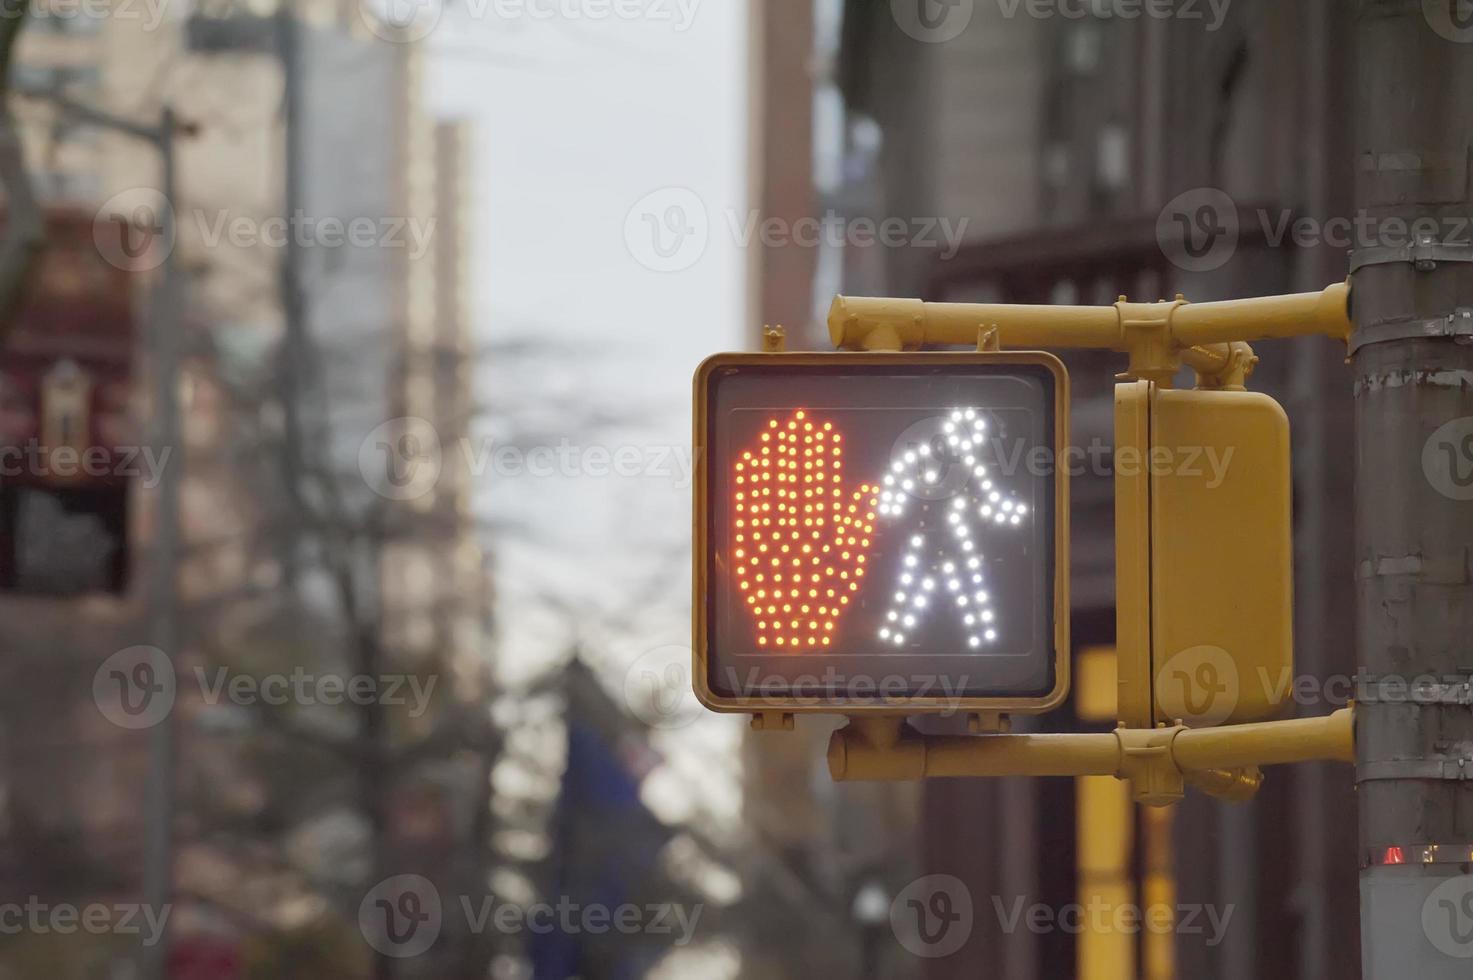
(974, 642)
(991, 635)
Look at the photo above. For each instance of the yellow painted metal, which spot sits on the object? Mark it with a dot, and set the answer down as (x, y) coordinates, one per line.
(1158, 761)
(1105, 839)
(1158, 945)
(1133, 557)
(896, 707)
(1095, 684)
(1330, 738)
(1221, 543)
(1105, 836)
(1154, 334)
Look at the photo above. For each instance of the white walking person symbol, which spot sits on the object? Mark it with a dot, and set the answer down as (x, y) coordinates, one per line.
(942, 561)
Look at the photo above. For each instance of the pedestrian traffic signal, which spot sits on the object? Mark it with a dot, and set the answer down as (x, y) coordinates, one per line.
(881, 531)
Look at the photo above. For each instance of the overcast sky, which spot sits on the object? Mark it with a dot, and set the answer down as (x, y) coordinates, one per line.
(586, 132)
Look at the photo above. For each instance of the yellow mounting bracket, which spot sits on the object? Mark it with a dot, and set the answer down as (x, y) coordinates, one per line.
(1158, 337)
(1159, 763)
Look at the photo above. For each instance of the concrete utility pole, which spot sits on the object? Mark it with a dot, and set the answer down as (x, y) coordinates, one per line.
(1413, 361)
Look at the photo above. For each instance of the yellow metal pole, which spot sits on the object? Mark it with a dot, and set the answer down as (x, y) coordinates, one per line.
(1105, 834)
(1159, 894)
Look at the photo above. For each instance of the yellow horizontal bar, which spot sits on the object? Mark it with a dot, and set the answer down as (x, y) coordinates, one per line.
(1269, 743)
(1216, 759)
(854, 321)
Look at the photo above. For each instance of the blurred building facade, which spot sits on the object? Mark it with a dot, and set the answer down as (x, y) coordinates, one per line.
(344, 135)
(1059, 141)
